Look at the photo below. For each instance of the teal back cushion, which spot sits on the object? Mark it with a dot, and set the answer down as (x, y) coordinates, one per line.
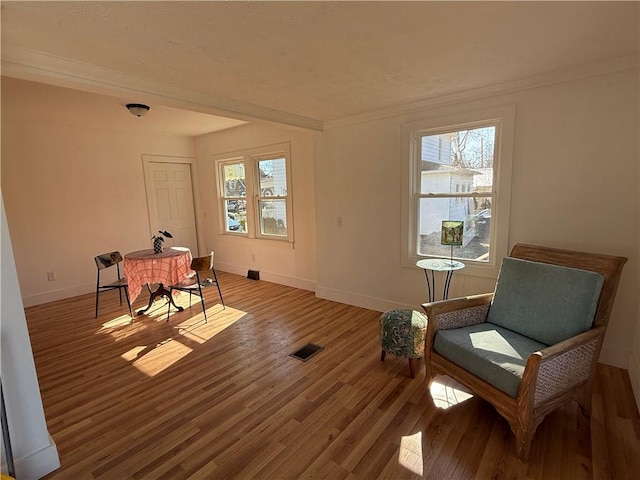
(545, 302)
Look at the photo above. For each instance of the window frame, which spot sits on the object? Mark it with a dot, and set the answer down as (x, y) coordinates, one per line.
(250, 158)
(503, 118)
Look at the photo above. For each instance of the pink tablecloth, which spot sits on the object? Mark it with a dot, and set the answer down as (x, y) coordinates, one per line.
(169, 267)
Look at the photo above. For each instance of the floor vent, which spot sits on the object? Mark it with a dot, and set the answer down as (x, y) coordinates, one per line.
(306, 352)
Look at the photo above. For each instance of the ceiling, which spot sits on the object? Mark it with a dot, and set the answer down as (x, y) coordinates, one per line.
(305, 63)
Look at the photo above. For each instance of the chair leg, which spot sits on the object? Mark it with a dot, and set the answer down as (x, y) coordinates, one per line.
(215, 277)
(584, 401)
(126, 293)
(204, 309)
(97, 293)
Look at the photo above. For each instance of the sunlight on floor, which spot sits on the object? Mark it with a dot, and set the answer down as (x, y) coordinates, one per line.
(446, 392)
(410, 454)
(196, 330)
(152, 360)
(117, 322)
(189, 331)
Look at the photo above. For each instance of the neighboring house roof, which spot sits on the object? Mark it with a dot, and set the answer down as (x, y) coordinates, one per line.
(484, 178)
(433, 167)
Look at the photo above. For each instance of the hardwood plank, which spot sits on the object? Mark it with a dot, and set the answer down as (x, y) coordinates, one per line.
(184, 399)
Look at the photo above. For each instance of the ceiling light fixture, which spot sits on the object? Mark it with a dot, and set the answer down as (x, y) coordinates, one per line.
(137, 109)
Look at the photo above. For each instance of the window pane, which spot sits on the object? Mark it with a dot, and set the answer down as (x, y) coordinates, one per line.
(474, 212)
(273, 177)
(234, 180)
(455, 162)
(273, 217)
(236, 220)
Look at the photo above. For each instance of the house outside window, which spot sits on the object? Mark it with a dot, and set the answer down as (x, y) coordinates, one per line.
(458, 171)
(255, 200)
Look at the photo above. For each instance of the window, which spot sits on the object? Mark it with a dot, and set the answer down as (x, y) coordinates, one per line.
(458, 171)
(254, 193)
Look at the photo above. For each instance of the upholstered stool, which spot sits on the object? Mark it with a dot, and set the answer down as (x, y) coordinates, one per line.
(402, 334)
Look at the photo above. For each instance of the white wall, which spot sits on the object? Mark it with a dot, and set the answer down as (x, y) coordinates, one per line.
(73, 187)
(277, 261)
(575, 186)
(34, 451)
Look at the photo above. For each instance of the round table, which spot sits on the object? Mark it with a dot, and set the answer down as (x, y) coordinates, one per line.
(169, 267)
(438, 265)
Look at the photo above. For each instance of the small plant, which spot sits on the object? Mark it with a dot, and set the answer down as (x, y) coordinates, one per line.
(161, 235)
(158, 239)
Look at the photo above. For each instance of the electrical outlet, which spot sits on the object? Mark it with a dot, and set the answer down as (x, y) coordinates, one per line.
(339, 221)
(51, 276)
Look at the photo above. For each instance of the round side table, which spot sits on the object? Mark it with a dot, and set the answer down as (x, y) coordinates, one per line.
(438, 265)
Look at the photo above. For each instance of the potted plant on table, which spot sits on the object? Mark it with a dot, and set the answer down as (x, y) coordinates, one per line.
(159, 239)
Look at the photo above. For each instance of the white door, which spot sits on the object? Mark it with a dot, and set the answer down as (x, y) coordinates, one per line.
(170, 199)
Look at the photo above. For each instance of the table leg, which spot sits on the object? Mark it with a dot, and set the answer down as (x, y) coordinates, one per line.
(447, 282)
(160, 292)
(431, 293)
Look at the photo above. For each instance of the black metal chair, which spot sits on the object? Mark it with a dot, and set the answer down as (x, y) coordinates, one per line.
(193, 284)
(108, 260)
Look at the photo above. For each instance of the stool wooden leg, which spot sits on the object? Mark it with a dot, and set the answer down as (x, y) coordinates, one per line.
(382, 355)
(413, 366)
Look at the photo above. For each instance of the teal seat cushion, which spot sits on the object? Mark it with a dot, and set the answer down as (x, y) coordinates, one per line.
(493, 353)
(548, 303)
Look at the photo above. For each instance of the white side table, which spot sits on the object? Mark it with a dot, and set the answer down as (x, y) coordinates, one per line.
(438, 265)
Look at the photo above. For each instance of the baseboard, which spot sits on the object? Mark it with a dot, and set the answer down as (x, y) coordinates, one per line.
(54, 295)
(363, 301)
(38, 464)
(267, 276)
(634, 374)
(615, 357)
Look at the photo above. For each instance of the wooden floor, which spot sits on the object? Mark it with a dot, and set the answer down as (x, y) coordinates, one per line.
(223, 399)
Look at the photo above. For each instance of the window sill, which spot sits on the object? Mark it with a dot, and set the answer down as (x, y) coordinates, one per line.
(471, 268)
(239, 239)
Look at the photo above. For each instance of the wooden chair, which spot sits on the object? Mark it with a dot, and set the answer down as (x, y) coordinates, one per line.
(193, 285)
(553, 374)
(108, 260)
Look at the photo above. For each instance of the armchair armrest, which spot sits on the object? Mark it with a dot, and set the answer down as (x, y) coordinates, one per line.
(457, 312)
(563, 366)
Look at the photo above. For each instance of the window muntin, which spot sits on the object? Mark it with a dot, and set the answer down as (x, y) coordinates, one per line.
(272, 198)
(497, 182)
(455, 174)
(254, 193)
(234, 192)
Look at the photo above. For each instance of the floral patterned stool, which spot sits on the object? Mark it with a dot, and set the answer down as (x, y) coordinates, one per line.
(402, 333)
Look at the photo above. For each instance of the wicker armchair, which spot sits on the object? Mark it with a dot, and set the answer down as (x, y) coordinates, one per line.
(552, 374)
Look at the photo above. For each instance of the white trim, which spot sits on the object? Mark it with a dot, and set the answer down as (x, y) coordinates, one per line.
(615, 356)
(504, 118)
(166, 159)
(37, 464)
(301, 283)
(34, 65)
(60, 294)
(584, 71)
(363, 301)
(249, 158)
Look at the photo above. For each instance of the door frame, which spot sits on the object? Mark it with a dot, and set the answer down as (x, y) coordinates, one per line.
(147, 160)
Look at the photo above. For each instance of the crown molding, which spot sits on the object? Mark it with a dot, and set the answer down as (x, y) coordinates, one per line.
(34, 65)
(584, 71)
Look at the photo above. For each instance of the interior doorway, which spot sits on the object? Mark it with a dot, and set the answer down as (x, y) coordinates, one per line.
(169, 187)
